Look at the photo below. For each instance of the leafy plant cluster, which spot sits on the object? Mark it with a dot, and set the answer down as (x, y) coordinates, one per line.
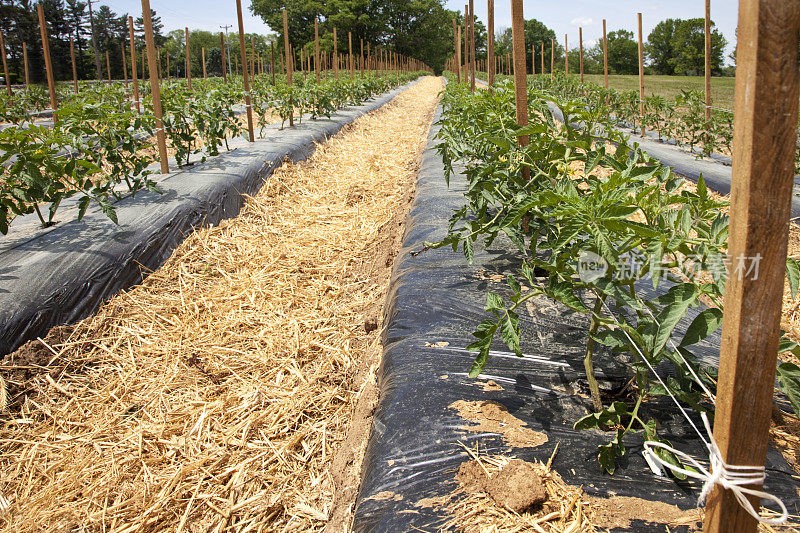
(602, 230)
(100, 147)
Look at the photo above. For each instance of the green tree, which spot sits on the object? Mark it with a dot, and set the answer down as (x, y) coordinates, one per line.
(623, 52)
(689, 47)
(659, 48)
(536, 32)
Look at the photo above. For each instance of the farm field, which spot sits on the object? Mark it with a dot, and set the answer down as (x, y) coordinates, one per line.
(671, 86)
(307, 275)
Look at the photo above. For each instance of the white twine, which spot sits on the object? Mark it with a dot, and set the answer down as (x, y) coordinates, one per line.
(732, 477)
(735, 478)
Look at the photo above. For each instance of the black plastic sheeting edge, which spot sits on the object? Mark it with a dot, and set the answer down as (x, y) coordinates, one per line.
(414, 449)
(65, 274)
(716, 173)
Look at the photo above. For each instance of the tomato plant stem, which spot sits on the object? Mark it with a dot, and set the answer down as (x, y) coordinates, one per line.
(588, 365)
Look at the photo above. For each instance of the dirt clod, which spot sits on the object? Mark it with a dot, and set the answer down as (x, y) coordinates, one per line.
(517, 486)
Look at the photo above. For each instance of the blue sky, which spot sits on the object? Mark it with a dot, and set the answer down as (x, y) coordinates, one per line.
(565, 17)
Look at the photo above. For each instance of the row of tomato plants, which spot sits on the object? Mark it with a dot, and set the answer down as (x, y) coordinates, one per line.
(99, 149)
(601, 230)
(681, 119)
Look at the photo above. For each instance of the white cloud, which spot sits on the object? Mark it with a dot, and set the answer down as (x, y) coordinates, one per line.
(590, 43)
(582, 21)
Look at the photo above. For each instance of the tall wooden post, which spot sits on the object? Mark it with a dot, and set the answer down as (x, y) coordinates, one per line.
(134, 70)
(74, 65)
(335, 54)
(580, 48)
(490, 44)
(566, 55)
(457, 45)
(144, 66)
(552, 58)
(458, 56)
(188, 62)
(108, 67)
(253, 58)
(520, 74)
(765, 127)
(124, 64)
(5, 64)
(203, 55)
(472, 44)
(541, 71)
(362, 58)
(272, 60)
(708, 59)
(316, 49)
(246, 80)
(155, 85)
(27, 66)
(48, 62)
(224, 57)
(605, 56)
(350, 48)
(533, 59)
(289, 64)
(641, 71)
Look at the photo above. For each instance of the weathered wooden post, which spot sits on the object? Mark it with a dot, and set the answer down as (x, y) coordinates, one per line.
(74, 66)
(605, 56)
(641, 72)
(188, 62)
(27, 66)
(243, 48)
(490, 44)
(289, 63)
(134, 73)
(580, 48)
(5, 64)
(472, 43)
(708, 59)
(552, 58)
(48, 62)
(566, 55)
(224, 57)
(520, 74)
(203, 56)
(764, 144)
(124, 64)
(155, 86)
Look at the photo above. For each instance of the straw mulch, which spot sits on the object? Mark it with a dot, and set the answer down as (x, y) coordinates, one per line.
(215, 396)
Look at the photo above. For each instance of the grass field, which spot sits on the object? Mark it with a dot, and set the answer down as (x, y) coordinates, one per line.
(670, 86)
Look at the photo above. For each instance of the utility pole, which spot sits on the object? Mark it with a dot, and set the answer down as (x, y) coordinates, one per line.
(94, 42)
(228, 46)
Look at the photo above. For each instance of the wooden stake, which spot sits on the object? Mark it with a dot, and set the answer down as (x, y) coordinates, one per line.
(124, 64)
(203, 54)
(253, 58)
(605, 56)
(188, 62)
(74, 65)
(272, 60)
(520, 75)
(108, 67)
(541, 71)
(160, 74)
(566, 56)
(48, 62)
(490, 44)
(362, 58)
(316, 48)
(472, 44)
(580, 47)
(224, 57)
(708, 59)
(25, 62)
(134, 74)
(289, 64)
(335, 54)
(5, 64)
(243, 49)
(350, 48)
(457, 44)
(764, 137)
(155, 86)
(641, 71)
(552, 58)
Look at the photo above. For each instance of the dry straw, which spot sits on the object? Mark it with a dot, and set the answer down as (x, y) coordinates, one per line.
(214, 396)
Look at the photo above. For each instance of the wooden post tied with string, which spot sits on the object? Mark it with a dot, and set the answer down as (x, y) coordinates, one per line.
(764, 145)
(155, 87)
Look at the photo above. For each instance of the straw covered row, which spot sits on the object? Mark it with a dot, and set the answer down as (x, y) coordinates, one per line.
(215, 395)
